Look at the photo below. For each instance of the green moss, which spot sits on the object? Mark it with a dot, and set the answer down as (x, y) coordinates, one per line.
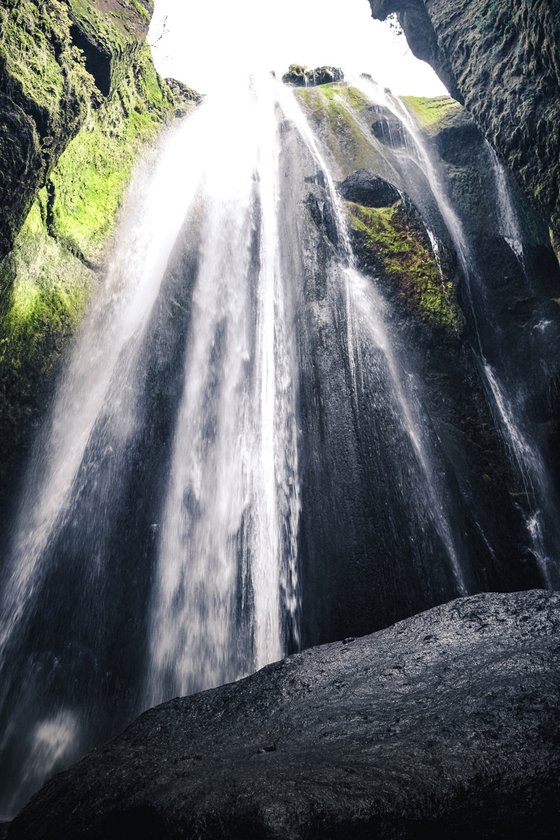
(110, 26)
(142, 11)
(355, 97)
(47, 276)
(333, 109)
(35, 45)
(46, 279)
(43, 307)
(431, 113)
(555, 242)
(400, 253)
(90, 178)
(346, 94)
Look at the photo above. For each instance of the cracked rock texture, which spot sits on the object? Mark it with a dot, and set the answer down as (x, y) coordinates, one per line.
(502, 59)
(444, 725)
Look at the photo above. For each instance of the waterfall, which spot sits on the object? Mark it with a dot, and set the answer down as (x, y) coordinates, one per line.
(364, 311)
(172, 443)
(239, 459)
(506, 396)
(508, 220)
(96, 407)
(227, 550)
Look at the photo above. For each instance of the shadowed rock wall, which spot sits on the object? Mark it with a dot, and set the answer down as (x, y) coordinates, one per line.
(502, 59)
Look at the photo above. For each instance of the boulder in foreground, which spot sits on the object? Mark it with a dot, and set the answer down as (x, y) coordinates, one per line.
(444, 725)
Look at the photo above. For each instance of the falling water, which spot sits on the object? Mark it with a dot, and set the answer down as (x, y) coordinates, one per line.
(508, 220)
(224, 598)
(525, 454)
(234, 367)
(104, 363)
(365, 309)
(533, 475)
(227, 550)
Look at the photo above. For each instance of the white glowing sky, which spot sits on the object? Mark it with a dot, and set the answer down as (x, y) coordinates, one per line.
(210, 42)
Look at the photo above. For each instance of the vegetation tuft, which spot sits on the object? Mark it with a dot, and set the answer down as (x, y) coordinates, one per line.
(398, 250)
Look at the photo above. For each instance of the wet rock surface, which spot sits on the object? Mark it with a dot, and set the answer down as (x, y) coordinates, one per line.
(447, 724)
(300, 76)
(367, 189)
(44, 91)
(501, 59)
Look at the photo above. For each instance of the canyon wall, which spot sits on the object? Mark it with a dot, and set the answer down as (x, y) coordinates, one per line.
(79, 99)
(502, 60)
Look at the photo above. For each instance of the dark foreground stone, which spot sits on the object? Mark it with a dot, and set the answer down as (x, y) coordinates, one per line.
(446, 725)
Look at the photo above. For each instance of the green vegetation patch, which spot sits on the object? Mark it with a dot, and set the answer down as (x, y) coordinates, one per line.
(90, 178)
(432, 113)
(37, 50)
(332, 108)
(112, 22)
(351, 96)
(399, 251)
(41, 309)
(46, 280)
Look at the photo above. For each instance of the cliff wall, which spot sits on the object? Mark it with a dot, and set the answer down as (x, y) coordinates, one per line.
(79, 99)
(501, 58)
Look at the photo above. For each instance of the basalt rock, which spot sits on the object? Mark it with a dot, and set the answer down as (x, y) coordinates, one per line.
(185, 96)
(502, 60)
(446, 724)
(366, 189)
(386, 128)
(300, 76)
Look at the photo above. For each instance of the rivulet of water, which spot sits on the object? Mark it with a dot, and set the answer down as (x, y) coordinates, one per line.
(227, 570)
(499, 384)
(365, 317)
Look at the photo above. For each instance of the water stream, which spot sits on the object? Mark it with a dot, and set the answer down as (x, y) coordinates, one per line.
(505, 393)
(238, 460)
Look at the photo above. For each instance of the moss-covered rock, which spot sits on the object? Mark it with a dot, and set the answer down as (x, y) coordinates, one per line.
(80, 97)
(392, 241)
(432, 113)
(334, 111)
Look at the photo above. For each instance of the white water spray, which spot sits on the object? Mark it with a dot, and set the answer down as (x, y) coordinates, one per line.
(365, 315)
(524, 455)
(103, 365)
(508, 220)
(230, 521)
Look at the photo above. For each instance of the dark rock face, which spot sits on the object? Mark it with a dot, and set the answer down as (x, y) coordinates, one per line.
(502, 60)
(300, 76)
(447, 724)
(365, 188)
(386, 128)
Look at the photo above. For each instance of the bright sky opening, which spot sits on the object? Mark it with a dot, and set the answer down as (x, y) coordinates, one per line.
(212, 43)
